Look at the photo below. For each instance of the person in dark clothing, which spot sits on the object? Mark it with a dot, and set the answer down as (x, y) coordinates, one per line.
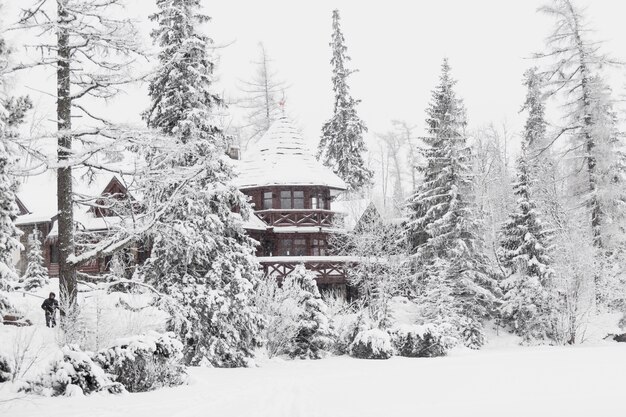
(50, 305)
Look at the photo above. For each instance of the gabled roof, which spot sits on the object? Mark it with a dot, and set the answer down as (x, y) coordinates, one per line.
(282, 157)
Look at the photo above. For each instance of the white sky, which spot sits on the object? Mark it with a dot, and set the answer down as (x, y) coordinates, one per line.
(396, 45)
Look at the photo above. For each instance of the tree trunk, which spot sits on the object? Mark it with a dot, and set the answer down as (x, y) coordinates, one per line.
(67, 272)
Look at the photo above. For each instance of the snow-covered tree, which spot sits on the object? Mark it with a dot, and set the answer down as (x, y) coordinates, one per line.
(90, 46)
(201, 256)
(443, 230)
(314, 334)
(36, 275)
(527, 301)
(524, 253)
(341, 146)
(9, 233)
(573, 67)
(262, 97)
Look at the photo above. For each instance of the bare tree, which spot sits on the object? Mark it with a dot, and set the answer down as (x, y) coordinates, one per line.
(263, 95)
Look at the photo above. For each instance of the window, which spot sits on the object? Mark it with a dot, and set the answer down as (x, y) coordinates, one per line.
(298, 200)
(299, 247)
(318, 247)
(292, 200)
(292, 247)
(267, 200)
(285, 200)
(284, 247)
(317, 202)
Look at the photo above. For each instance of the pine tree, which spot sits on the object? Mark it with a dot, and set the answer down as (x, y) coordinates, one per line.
(524, 244)
(342, 146)
(36, 275)
(314, 334)
(201, 256)
(524, 253)
(443, 231)
(9, 233)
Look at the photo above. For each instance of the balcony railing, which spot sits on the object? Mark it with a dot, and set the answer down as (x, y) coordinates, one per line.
(304, 217)
(327, 271)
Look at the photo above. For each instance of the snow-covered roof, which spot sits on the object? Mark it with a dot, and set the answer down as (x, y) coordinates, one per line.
(353, 210)
(37, 190)
(282, 157)
(254, 223)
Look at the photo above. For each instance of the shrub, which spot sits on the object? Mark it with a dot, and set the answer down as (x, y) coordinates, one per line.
(422, 341)
(75, 374)
(144, 363)
(371, 344)
(348, 327)
(5, 369)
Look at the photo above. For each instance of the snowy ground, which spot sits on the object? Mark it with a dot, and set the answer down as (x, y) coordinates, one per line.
(580, 381)
(503, 379)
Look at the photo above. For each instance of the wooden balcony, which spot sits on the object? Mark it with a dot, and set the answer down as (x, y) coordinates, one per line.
(303, 217)
(328, 269)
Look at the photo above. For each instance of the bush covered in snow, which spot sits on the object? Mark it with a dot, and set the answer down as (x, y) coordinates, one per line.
(422, 341)
(371, 344)
(145, 362)
(348, 326)
(297, 322)
(74, 374)
(5, 369)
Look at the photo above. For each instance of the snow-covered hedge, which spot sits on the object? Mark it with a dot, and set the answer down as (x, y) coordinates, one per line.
(5, 369)
(145, 362)
(371, 344)
(74, 374)
(422, 341)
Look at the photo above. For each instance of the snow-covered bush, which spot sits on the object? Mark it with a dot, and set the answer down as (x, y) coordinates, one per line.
(314, 334)
(419, 341)
(348, 327)
(5, 304)
(75, 374)
(5, 369)
(280, 312)
(371, 344)
(145, 362)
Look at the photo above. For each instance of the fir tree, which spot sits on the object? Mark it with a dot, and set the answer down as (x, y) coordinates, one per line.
(524, 243)
(201, 256)
(314, 334)
(36, 275)
(342, 146)
(442, 230)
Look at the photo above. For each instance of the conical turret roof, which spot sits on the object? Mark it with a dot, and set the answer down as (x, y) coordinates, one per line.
(282, 157)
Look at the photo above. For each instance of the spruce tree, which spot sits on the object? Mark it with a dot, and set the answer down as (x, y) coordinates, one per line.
(314, 334)
(201, 256)
(524, 244)
(36, 275)
(443, 232)
(341, 146)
